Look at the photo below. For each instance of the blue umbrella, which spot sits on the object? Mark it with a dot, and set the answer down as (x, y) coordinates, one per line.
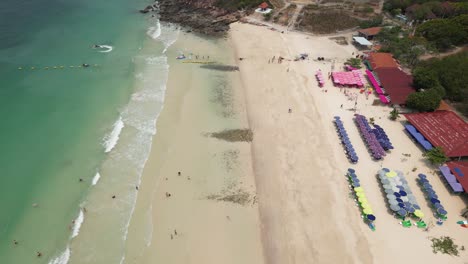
(403, 193)
(411, 210)
(415, 206)
(438, 205)
(399, 200)
(401, 205)
(386, 170)
(396, 194)
(433, 196)
(356, 184)
(421, 176)
(402, 212)
(427, 186)
(441, 211)
(371, 217)
(351, 170)
(435, 201)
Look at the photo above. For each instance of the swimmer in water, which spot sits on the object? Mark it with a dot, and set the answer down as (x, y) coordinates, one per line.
(96, 46)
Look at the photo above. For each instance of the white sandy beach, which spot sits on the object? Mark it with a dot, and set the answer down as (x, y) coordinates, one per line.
(294, 168)
(306, 213)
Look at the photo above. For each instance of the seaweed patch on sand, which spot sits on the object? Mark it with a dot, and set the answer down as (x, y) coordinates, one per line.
(219, 67)
(239, 197)
(234, 135)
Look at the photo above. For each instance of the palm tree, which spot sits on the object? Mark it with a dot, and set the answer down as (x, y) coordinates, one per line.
(394, 114)
(436, 156)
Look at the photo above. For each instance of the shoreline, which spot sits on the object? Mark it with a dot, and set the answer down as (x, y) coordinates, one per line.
(198, 101)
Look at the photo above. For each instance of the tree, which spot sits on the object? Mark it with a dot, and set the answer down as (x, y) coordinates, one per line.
(424, 78)
(354, 62)
(424, 101)
(394, 114)
(436, 156)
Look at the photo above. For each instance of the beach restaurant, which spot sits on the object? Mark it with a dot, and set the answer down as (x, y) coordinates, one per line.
(443, 129)
(362, 43)
(391, 84)
(369, 33)
(455, 174)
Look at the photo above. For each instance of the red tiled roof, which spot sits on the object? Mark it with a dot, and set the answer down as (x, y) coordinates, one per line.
(382, 59)
(460, 170)
(370, 31)
(396, 83)
(443, 129)
(263, 5)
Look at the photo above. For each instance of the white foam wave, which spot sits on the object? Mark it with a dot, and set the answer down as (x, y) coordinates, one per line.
(77, 225)
(96, 178)
(154, 32)
(106, 48)
(62, 258)
(111, 140)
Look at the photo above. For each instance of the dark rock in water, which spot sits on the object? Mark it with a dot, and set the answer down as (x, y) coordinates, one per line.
(201, 16)
(147, 9)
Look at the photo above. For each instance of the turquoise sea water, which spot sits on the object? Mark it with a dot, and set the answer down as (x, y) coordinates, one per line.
(54, 121)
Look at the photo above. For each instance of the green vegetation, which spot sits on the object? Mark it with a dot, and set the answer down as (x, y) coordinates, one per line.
(445, 245)
(375, 22)
(406, 50)
(444, 33)
(447, 77)
(240, 4)
(234, 135)
(424, 101)
(267, 16)
(354, 62)
(394, 114)
(436, 156)
(426, 9)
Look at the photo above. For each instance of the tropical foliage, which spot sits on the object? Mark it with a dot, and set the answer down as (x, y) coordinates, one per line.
(445, 245)
(436, 156)
(444, 33)
(394, 114)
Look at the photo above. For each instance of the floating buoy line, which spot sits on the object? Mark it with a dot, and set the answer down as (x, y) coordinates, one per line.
(61, 67)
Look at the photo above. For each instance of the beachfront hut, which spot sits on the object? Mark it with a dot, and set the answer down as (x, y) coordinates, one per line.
(362, 43)
(263, 6)
(396, 84)
(444, 129)
(369, 33)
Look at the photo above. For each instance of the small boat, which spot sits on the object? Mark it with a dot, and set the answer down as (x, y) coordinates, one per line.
(180, 57)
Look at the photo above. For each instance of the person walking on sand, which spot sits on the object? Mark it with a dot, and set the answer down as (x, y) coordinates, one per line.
(341, 106)
(179, 173)
(175, 232)
(289, 110)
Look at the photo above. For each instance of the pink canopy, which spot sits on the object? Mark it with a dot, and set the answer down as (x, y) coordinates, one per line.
(377, 87)
(352, 78)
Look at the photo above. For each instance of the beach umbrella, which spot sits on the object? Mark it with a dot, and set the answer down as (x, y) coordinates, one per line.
(395, 189)
(370, 217)
(391, 197)
(385, 181)
(418, 213)
(399, 200)
(387, 186)
(359, 189)
(410, 210)
(393, 202)
(394, 207)
(415, 206)
(367, 211)
(360, 194)
(403, 193)
(433, 196)
(356, 184)
(437, 205)
(407, 204)
(362, 199)
(388, 191)
(464, 222)
(385, 169)
(351, 170)
(422, 176)
(441, 211)
(434, 201)
(401, 205)
(402, 212)
(404, 198)
(427, 186)
(365, 205)
(397, 195)
(391, 174)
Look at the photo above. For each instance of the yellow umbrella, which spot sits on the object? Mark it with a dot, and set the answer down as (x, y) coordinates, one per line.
(365, 205)
(361, 195)
(362, 199)
(391, 174)
(418, 213)
(358, 189)
(368, 211)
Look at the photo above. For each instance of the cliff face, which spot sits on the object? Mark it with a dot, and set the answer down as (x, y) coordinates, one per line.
(199, 15)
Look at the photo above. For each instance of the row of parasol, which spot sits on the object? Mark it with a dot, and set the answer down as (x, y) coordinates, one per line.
(358, 190)
(398, 193)
(351, 78)
(319, 77)
(432, 197)
(350, 152)
(382, 137)
(376, 150)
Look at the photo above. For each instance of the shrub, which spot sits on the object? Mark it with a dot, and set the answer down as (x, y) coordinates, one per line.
(436, 156)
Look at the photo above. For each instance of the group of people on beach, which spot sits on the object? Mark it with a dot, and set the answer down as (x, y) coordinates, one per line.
(279, 60)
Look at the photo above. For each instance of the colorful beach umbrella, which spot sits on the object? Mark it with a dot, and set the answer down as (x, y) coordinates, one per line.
(360, 194)
(391, 174)
(418, 213)
(362, 199)
(359, 189)
(368, 211)
(394, 207)
(371, 217)
(402, 212)
(441, 211)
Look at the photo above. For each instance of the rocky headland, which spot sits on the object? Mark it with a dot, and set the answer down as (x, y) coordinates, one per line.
(197, 15)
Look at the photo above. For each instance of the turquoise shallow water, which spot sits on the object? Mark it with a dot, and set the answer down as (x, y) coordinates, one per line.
(53, 121)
